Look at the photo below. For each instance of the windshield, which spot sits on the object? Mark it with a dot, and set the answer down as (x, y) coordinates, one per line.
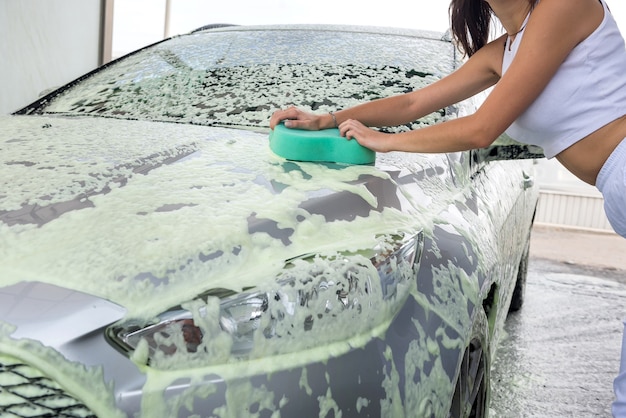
(236, 77)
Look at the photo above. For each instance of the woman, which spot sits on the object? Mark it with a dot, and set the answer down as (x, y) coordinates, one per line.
(565, 90)
(559, 81)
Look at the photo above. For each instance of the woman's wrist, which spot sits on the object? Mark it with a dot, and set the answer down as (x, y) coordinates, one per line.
(333, 121)
(328, 120)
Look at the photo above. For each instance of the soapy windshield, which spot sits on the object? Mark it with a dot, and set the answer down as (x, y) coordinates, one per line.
(238, 78)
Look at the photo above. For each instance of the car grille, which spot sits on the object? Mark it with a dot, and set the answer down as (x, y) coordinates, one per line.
(26, 392)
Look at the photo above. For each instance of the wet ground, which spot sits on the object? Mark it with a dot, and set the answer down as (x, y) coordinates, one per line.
(561, 352)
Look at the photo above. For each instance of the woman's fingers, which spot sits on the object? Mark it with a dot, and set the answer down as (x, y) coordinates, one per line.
(295, 118)
(369, 138)
(351, 128)
(283, 114)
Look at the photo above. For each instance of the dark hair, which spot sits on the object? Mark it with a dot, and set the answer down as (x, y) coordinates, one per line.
(470, 22)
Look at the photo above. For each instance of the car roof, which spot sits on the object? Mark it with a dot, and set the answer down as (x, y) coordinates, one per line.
(381, 30)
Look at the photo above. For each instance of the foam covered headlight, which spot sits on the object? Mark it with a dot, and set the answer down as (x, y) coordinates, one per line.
(316, 300)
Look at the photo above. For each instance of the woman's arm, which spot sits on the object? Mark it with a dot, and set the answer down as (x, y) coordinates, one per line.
(474, 76)
(554, 29)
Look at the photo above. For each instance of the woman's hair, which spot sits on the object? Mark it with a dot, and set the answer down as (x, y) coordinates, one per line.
(470, 22)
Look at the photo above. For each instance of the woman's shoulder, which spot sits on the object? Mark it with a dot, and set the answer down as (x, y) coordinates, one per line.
(576, 18)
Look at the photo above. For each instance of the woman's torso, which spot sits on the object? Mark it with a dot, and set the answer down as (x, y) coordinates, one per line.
(586, 157)
(579, 117)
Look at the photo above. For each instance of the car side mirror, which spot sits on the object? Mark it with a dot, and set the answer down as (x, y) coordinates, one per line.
(506, 148)
(47, 91)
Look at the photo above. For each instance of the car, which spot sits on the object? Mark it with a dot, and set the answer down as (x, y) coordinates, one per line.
(157, 259)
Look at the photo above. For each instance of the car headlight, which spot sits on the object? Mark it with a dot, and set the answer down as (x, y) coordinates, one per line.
(316, 300)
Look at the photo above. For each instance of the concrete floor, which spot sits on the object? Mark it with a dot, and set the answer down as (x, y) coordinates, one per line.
(561, 351)
(581, 248)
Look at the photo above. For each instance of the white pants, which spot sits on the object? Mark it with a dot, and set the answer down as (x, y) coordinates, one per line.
(612, 183)
(619, 384)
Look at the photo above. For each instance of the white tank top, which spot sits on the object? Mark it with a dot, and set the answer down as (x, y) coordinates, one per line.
(587, 92)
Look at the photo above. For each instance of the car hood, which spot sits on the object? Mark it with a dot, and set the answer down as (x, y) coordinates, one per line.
(148, 214)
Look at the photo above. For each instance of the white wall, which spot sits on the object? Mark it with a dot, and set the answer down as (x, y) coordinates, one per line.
(130, 35)
(43, 44)
(185, 15)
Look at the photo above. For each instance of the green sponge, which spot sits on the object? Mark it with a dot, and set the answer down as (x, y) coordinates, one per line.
(325, 145)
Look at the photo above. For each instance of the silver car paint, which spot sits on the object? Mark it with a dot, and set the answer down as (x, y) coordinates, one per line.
(475, 218)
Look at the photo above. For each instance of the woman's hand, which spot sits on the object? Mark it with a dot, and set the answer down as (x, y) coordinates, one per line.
(350, 129)
(369, 138)
(296, 118)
